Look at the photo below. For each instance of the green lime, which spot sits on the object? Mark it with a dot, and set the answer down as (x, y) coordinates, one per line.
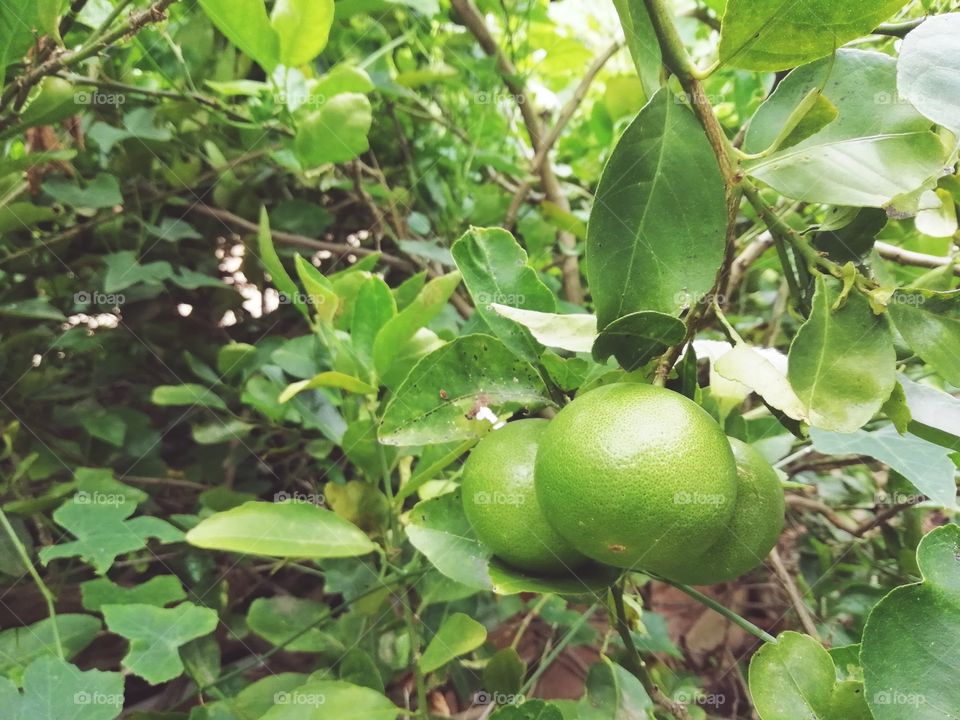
(501, 503)
(636, 476)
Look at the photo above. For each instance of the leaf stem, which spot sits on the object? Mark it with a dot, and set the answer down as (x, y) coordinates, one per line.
(38, 581)
(733, 617)
(635, 663)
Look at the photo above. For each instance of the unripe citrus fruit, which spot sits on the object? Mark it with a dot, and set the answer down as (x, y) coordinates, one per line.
(753, 530)
(636, 476)
(501, 504)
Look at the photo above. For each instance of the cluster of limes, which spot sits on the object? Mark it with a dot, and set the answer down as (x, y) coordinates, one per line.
(629, 475)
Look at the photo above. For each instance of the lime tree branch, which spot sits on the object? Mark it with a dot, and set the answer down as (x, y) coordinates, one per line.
(473, 20)
(64, 59)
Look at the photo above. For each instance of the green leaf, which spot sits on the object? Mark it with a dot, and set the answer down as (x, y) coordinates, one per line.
(575, 333)
(188, 394)
(33, 309)
(156, 634)
(399, 330)
(102, 191)
(448, 392)
(331, 379)
(56, 690)
(323, 297)
(842, 363)
(139, 123)
(657, 231)
(797, 678)
(637, 338)
(246, 25)
(322, 699)
(303, 27)
(748, 366)
(374, 308)
(160, 590)
(933, 413)
(932, 330)
(495, 270)
(458, 635)
(928, 467)
(532, 710)
(504, 672)
(612, 692)
(928, 71)
(290, 622)
(775, 35)
(20, 646)
(909, 652)
(125, 270)
(16, 18)
(336, 132)
(297, 530)
(103, 532)
(642, 42)
(271, 263)
(220, 431)
(878, 148)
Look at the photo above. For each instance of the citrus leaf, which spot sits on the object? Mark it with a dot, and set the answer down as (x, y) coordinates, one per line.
(637, 338)
(20, 646)
(842, 363)
(656, 233)
(54, 690)
(928, 71)
(336, 132)
(928, 467)
(642, 42)
(322, 699)
(303, 28)
(504, 672)
(751, 368)
(294, 529)
(188, 394)
(156, 634)
(777, 35)
(612, 692)
(448, 392)
(331, 379)
(246, 25)
(932, 330)
(289, 622)
(271, 263)
(400, 329)
(458, 635)
(495, 270)
(796, 677)
(575, 333)
(909, 650)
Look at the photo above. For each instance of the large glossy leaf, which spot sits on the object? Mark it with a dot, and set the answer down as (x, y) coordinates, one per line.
(781, 34)
(294, 529)
(927, 466)
(752, 368)
(458, 635)
(656, 234)
(20, 646)
(575, 333)
(928, 72)
(637, 338)
(642, 41)
(303, 27)
(877, 148)
(448, 392)
(156, 635)
(932, 330)
(495, 270)
(56, 690)
(246, 25)
(842, 363)
(909, 653)
(796, 678)
(323, 699)
(400, 329)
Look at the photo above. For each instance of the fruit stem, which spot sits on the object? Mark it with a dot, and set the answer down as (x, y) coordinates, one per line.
(635, 663)
(723, 610)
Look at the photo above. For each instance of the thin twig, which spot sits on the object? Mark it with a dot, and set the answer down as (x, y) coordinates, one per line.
(780, 570)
